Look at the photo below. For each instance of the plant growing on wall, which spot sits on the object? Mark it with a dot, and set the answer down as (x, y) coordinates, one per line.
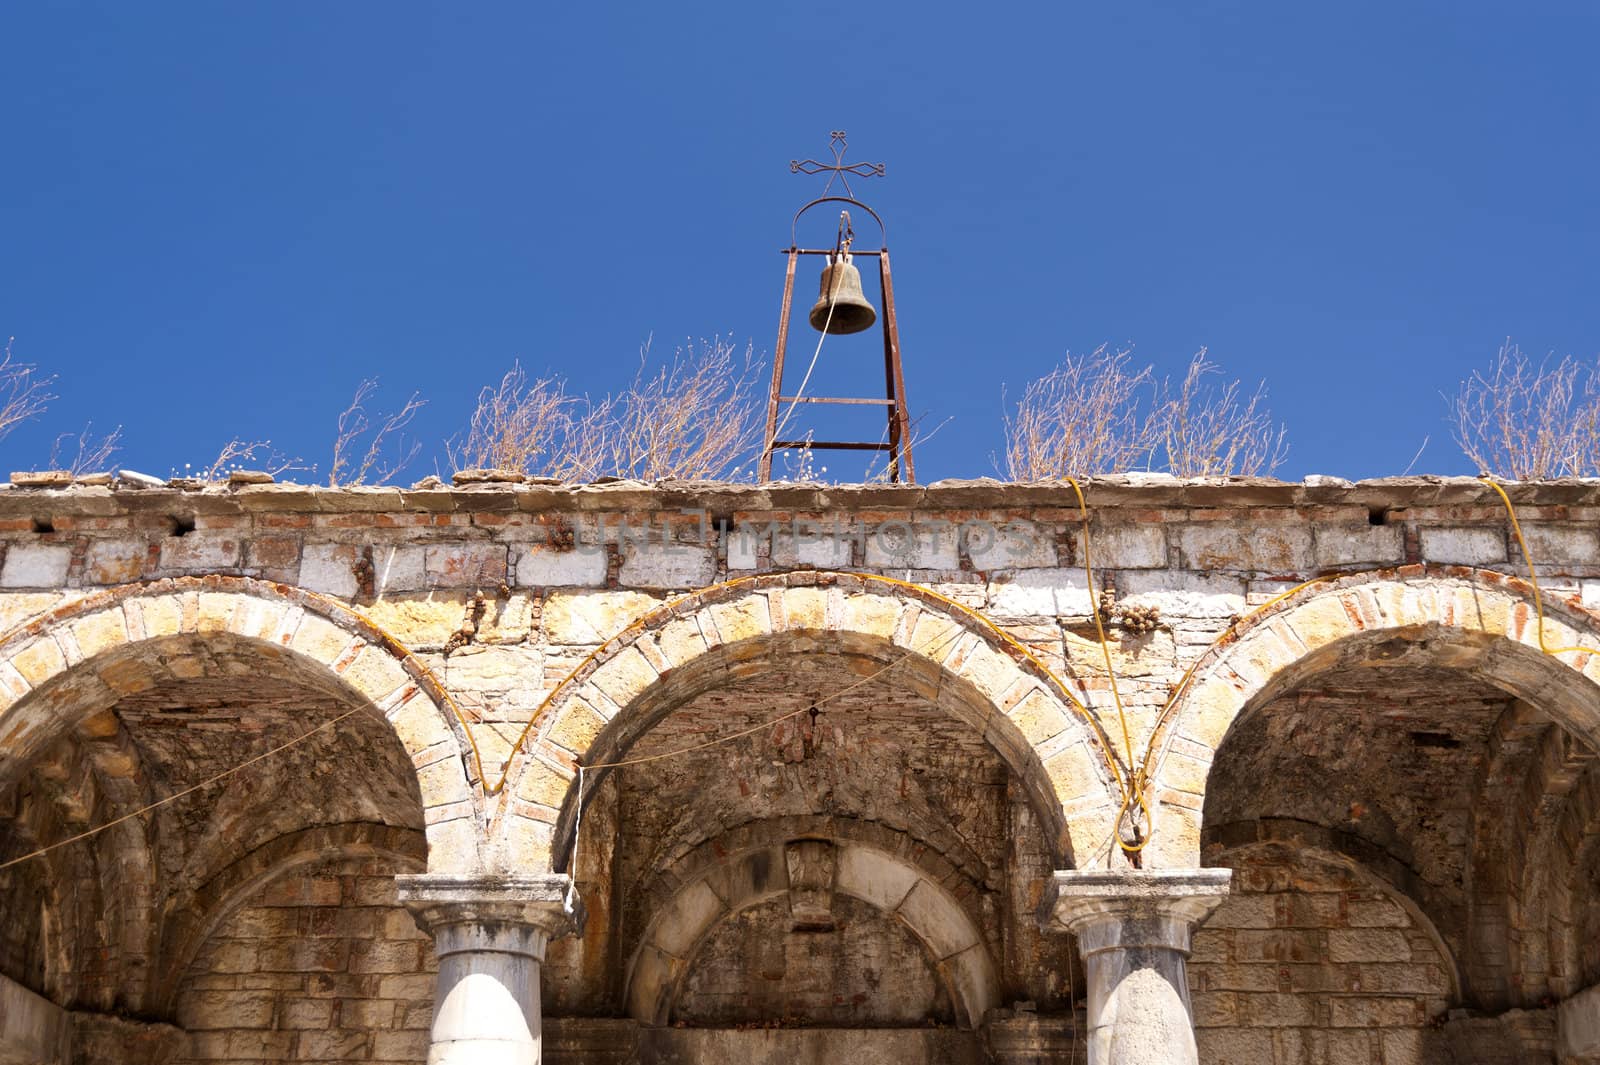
(1100, 413)
(693, 417)
(1528, 421)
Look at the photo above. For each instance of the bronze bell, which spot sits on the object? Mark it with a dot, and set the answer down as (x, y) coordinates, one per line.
(851, 311)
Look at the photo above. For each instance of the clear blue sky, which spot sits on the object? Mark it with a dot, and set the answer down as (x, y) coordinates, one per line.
(217, 218)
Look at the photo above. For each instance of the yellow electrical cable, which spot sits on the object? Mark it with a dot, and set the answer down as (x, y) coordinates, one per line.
(1132, 789)
(1533, 578)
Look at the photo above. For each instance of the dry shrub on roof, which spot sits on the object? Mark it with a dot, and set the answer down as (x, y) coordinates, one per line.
(695, 416)
(1084, 417)
(372, 452)
(1528, 421)
(1101, 413)
(516, 425)
(23, 394)
(1212, 428)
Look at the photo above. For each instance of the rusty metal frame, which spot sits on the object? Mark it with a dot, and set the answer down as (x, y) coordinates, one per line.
(897, 442)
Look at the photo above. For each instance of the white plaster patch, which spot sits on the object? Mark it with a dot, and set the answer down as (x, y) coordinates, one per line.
(667, 566)
(543, 566)
(1464, 546)
(329, 569)
(1040, 593)
(1183, 595)
(36, 565)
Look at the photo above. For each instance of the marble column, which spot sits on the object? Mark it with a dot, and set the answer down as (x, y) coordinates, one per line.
(489, 934)
(1133, 928)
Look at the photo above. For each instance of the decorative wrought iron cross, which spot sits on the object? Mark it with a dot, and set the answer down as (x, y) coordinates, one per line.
(836, 141)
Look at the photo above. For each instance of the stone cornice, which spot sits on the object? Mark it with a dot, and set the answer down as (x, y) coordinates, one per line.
(1126, 490)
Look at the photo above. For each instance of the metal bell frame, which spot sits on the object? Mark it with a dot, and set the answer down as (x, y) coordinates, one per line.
(897, 442)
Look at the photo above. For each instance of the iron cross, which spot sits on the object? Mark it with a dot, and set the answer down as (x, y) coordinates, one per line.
(836, 141)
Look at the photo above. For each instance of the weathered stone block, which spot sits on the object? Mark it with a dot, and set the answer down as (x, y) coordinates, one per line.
(1348, 545)
(913, 544)
(667, 566)
(330, 569)
(199, 552)
(36, 565)
(1469, 546)
(544, 566)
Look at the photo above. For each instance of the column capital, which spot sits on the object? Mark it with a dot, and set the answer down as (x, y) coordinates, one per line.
(467, 910)
(1121, 908)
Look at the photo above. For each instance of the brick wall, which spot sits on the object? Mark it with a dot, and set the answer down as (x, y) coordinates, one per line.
(1309, 961)
(319, 965)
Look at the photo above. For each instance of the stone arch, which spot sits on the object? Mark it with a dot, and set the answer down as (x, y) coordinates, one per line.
(1299, 934)
(65, 665)
(892, 883)
(198, 913)
(1479, 622)
(1232, 844)
(952, 655)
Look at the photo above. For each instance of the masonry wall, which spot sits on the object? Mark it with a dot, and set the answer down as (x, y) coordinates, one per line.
(321, 964)
(502, 591)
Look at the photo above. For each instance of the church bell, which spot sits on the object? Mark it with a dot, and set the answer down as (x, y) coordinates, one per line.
(841, 292)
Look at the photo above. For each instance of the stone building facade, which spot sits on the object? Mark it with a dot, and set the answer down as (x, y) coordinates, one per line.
(713, 774)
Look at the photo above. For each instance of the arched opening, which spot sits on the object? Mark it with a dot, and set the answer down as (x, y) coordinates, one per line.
(249, 722)
(1414, 741)
(839, 737)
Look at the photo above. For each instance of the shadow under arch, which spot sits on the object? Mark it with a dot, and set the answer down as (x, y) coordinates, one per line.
(1306, 842)
(708, 893)
(198, 913)
(65, 665)
(949, 654)
(1477, 622)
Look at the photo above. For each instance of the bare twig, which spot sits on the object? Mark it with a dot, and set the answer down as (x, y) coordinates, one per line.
(83, 452)
(372, 467)
(1423, 447)
(515, 426)
(238, 454)
(1081, 418)
(22, 394)
(694, 418)
(1527, 421)
(1210, 431)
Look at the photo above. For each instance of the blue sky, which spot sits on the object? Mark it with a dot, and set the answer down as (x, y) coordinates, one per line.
(218, 218)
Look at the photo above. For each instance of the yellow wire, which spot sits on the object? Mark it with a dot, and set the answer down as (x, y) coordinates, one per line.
(1133, 788)
(1533, 578)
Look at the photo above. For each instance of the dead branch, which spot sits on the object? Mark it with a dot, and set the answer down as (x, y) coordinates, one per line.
(22, 394)
(1528, 422)
(1082, 418)
(84, 452)
(1211, 431)
(238, 454)
(372, 467)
